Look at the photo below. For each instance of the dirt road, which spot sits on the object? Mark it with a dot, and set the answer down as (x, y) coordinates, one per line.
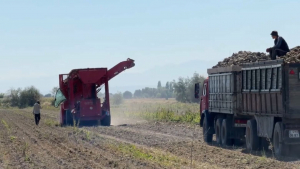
(126, 145)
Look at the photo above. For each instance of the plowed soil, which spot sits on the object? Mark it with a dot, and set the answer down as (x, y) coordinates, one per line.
(131, 144)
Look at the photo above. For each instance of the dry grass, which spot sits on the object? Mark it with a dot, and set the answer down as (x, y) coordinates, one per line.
(159, 110)
(149, 109)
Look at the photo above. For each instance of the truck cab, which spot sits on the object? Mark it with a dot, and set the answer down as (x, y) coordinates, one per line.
(203, 94)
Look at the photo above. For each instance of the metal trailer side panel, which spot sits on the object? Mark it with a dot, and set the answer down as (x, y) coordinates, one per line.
(239, 96)
(262, 92)
(222, 97)
(293, 98)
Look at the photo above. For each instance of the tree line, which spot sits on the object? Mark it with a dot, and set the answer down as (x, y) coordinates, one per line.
(147, 92)
(21, 97)
(182, 90)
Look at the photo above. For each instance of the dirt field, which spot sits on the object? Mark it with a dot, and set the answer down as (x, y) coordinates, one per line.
(129, 144)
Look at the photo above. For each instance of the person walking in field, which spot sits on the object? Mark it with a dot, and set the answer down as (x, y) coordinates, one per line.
(37, 112)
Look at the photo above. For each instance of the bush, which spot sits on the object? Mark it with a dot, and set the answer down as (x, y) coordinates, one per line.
(48, 95)
(13, 97)
(1, 95)
(117, 98)
(138, 94)
(29, 96)
(127, 95)
(23, 98)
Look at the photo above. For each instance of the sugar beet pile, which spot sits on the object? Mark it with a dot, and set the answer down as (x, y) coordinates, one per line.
(247, 57)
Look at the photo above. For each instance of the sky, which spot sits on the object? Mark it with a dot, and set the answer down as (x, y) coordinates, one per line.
(41, 39)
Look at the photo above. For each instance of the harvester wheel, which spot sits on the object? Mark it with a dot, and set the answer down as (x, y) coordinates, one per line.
(69, 118)
(106, 121)
(62, 120)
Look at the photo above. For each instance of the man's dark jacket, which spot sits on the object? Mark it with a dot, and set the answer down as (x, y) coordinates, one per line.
(281, 44)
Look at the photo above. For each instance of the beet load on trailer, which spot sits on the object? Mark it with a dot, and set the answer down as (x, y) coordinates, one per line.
(256, 102)
(79, 91)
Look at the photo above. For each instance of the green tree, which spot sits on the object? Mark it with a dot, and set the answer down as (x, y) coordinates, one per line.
(163, 92)
(171, 87)
(23, 98)
(138, 94)
(180, 89)
(159, 84)
(127, 95)
(149, 92)
(167, 86)
(117, 98)
(13, 97)
(29, 96)
(184, 88)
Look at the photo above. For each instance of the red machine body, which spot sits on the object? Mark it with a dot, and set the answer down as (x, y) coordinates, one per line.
(80, 87)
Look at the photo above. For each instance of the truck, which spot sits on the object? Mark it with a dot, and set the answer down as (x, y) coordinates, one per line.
(256, 103)
(77, 94)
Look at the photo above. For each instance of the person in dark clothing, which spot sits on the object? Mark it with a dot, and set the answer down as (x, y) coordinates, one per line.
(37, 112)
(280, 47)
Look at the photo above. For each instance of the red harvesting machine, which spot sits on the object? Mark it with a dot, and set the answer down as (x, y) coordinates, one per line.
(80, 88)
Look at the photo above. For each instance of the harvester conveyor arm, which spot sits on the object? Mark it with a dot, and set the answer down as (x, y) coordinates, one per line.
(111, 73)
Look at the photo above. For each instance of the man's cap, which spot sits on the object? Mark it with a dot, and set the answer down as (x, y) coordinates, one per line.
(274, 33)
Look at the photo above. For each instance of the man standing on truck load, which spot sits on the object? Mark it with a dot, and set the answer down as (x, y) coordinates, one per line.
(37, 112)
(280, 47)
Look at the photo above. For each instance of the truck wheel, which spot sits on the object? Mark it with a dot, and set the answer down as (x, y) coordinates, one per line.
(206, 135)
(252, 139)
(225, 133)
(106, 121)
(280, 149)
(218, 130)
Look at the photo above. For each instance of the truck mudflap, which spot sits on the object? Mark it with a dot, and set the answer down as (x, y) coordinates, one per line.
(291, 136)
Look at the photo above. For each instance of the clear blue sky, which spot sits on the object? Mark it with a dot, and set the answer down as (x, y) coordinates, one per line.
(40, 39)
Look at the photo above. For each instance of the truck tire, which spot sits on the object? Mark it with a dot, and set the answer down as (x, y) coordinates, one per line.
(225, 133)
(280, 149)
(218, 131)
(252, 139)
(206, 135)
(106, 121)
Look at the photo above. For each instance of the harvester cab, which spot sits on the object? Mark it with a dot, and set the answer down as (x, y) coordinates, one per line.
(77, 94)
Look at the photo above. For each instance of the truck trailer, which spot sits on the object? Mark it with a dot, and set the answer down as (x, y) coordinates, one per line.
(255, 102)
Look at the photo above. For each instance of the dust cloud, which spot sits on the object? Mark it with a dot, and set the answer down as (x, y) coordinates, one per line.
(117, 120)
